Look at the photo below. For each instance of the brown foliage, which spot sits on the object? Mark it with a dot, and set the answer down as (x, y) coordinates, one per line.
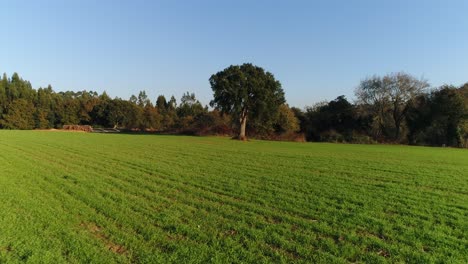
(84, 128)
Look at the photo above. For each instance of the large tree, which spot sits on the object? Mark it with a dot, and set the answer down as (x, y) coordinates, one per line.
(448, 112)
(332, 121)
(246, 91)
(438, 118)
(390, 97)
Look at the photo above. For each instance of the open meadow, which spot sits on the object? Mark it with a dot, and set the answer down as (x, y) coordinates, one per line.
(120, 198)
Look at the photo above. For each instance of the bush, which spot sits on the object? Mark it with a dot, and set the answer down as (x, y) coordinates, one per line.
(358, 138)
(291, 136)
(212, 123)
(332, 136)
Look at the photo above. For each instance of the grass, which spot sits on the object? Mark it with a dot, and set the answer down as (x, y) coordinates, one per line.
(100, 198)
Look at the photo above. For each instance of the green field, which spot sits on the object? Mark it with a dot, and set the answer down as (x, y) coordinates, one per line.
(103, 198)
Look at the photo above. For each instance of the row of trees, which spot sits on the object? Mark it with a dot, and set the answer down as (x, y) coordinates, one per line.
(395, 108)
(22, 107)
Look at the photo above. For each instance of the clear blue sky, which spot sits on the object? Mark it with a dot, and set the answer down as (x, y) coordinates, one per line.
(317, 49)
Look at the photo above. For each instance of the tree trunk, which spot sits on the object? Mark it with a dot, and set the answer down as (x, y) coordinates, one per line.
(397, 129)
(398, 118)
(243, 123)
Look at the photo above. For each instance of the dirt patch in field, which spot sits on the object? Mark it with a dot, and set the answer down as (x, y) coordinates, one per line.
(229, 233)
(6, 249)
(383, 253)
(97, 232)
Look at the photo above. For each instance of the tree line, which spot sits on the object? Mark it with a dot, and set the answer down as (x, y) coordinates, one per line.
(22, 107)
(395, 108)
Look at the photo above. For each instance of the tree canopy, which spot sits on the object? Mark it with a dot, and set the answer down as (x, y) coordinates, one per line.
(390, 97)
(246, 91)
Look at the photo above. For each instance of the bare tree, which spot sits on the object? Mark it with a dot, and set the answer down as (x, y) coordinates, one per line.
(403, 89)
(391, 96)
(372, 94)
